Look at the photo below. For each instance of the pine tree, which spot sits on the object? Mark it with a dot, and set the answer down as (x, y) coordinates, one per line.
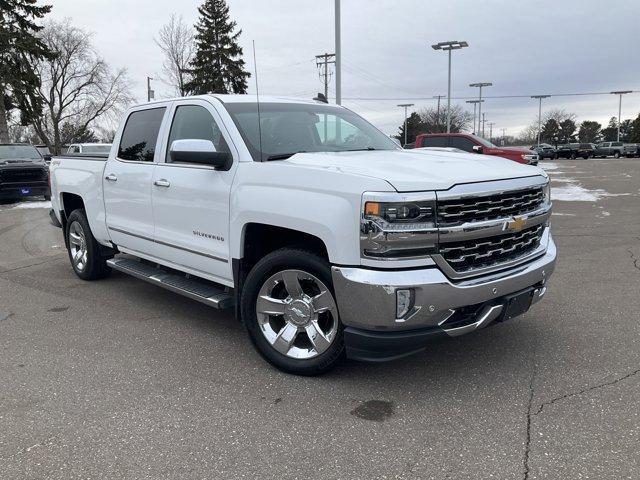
(217, 66)
(19, 47)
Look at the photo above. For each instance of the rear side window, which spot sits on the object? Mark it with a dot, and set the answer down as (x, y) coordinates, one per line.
(138, 142)
(195, 123)
(434, 142)
(616, 144)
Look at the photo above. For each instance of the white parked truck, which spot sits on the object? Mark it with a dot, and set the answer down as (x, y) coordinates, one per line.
(326, 237)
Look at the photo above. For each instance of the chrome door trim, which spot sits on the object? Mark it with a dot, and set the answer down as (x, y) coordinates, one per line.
(160, 242)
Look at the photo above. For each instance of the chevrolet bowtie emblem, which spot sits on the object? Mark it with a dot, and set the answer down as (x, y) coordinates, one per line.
(516, 224)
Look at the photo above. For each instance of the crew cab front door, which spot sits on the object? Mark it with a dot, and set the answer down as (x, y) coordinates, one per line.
(191, 201)
(127, 181)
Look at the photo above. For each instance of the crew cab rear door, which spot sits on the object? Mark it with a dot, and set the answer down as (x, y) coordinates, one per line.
(128, 177)
(191, 200)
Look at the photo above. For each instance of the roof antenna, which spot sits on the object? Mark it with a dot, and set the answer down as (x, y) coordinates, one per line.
(255, 70)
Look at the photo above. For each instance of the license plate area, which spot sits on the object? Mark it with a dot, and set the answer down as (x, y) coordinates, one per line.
(518, 303)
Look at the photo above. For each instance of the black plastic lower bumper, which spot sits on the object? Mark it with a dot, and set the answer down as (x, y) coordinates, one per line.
(13, 192)
(373, 346)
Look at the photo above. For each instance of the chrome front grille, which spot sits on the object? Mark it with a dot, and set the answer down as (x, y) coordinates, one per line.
(479, 253)
(458, 211)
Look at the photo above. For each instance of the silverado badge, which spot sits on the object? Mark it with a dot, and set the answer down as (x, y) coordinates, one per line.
(516, 224)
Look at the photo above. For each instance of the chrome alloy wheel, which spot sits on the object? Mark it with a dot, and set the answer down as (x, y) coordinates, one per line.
(297, 314)
(78, 246)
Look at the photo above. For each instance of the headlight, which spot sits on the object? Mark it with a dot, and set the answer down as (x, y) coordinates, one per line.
(546, 193)
(397, 226)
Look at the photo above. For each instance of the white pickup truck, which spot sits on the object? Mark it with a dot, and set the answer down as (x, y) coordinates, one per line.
(328, 239)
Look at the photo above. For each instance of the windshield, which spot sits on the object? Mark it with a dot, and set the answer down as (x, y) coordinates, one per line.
(19, 152)
(288, 128)
(484, 142)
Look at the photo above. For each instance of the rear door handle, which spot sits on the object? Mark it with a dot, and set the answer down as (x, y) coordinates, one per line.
(162, 183)
(111, 177)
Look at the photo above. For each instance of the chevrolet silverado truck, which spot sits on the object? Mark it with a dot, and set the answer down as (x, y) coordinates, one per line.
(475, 144)
(23, 172)
(326, 237)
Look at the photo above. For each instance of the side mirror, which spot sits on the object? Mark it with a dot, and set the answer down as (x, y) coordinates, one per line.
(198, 151)
(477, 148)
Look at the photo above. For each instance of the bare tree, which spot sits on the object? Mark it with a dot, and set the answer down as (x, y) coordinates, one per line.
(77, 87)
(435, 121)
(175, 39)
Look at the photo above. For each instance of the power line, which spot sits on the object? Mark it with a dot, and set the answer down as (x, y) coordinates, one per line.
(484, 96)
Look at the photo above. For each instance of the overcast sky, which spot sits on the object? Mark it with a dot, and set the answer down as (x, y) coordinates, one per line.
(524, 47)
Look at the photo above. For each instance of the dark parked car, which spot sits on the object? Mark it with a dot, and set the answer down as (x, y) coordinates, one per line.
(585, 150)
(544, 150)
(23, 172)
(568, 150)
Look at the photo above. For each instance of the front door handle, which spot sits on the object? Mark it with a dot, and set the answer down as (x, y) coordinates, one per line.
(162, 183)
(111, 177)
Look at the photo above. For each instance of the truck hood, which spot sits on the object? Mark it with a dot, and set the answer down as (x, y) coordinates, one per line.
(413, 170)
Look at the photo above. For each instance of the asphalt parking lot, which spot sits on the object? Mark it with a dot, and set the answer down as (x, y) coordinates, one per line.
(120, 379)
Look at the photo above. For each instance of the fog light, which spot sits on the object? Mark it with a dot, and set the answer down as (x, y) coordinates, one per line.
(403, 302)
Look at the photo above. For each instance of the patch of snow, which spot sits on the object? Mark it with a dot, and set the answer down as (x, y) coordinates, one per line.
(558, 214)
(548, 166)
(43, 204)
(606, 214)
(576, 193)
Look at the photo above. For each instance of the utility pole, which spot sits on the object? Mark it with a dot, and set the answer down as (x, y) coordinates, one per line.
(405, 105)
(504, 135)
(448, 47)
(620, 93)
(439, 97)
(540, 97)
(150, 93)
(475, 105)
(338, 55)
(491, 124)
(322, 62)
(480, 85)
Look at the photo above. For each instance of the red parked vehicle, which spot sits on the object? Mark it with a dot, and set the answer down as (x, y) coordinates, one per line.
(474, 144)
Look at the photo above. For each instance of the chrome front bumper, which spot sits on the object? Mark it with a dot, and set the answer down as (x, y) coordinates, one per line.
(367, 298)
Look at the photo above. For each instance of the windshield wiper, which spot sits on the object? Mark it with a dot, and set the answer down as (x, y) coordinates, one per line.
(361, 149)
(283, 156)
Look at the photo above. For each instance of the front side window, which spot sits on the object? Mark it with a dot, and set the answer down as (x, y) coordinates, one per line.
(195, 123)
(289, 128)
(140, 134)
(462, 143)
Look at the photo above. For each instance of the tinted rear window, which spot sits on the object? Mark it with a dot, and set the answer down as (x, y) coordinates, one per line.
(434, 141)
(138, 142)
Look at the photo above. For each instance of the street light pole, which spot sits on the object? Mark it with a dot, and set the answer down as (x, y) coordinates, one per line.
(405, 105)
(338, 56)
(150, 93)
(448, 47)
(480, 85)
(620, 93)
(540, 97)
(475, 105)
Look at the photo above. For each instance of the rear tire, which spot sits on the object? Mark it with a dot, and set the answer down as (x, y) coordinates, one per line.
(289, 310)
(616, 155)
(87, 256)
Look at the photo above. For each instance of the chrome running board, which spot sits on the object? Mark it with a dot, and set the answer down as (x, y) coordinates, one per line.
(197, 289)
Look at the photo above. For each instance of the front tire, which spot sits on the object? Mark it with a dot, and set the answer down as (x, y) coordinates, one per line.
(616, 155)
(289, 310)
(85, 253)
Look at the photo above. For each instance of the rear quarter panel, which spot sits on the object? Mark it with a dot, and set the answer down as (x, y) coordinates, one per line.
(82, 177)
